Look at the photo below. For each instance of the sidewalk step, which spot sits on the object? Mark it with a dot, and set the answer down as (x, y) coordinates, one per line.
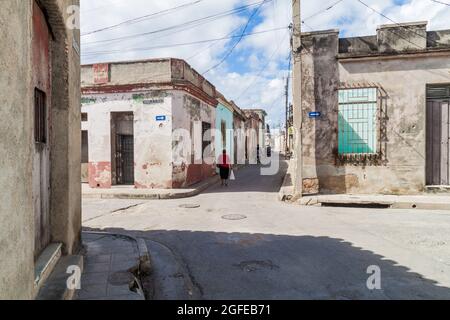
(56, 288)
(45, 264)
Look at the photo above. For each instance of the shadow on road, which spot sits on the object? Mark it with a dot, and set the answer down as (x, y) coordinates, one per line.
(264, 266)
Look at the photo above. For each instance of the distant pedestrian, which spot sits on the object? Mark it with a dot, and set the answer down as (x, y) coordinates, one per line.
(224, 165)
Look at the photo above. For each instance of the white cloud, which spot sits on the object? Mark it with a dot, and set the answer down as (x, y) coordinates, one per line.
(270, 50)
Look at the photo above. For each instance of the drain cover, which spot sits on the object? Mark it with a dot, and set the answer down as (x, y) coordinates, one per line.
(190, 206)
(234, 217)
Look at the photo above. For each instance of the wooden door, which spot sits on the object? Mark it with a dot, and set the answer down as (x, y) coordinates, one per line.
(437, 143)
(41, 82)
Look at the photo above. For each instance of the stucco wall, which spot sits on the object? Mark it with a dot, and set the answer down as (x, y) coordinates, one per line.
(188, 114)
(225, 115)
(402, 82)
(152, 138)
(17, 216)
(17, 98)
(239, 140)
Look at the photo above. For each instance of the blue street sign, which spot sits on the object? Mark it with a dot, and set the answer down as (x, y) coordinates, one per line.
(160, 118)
(315, 114)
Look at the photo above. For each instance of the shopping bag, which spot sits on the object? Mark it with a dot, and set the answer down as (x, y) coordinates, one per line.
(232, 176)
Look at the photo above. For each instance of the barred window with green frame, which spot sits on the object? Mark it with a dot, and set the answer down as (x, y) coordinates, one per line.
(358, 121)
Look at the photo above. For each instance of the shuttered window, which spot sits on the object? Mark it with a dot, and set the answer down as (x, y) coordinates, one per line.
(358, 121)
(40, 117)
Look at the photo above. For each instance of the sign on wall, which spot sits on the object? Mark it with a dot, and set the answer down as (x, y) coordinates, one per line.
(315, 114)
(101, 73)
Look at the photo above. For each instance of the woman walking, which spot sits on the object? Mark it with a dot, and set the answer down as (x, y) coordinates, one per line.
(225, 167)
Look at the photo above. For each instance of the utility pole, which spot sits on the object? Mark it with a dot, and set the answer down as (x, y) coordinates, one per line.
(287, 114)
(297, 98)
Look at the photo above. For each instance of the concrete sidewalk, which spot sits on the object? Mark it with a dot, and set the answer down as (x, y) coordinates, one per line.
(111, 269)
(425, 201)
(129, 192)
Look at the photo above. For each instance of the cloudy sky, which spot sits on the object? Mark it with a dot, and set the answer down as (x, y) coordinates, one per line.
(204, 32)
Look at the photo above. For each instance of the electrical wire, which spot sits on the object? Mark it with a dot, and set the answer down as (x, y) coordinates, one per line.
(266, 65)
(203, 20)
(399, 25)
(143, 18)
(180, 44)
(239, 39)
(444, 3)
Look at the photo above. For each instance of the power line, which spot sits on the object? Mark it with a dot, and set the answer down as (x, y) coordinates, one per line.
(143, 18)
(398, 24)
(331, 6)
(204, 20)
(444, 3)
(323, 10)
(240, 38)
(265, 66)
(180, 44)
(211, 45)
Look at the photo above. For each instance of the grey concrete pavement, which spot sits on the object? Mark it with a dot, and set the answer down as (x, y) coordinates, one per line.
(286, 251)
(109, 268)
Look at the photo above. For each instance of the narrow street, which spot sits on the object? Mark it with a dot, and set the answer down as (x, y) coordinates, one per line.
(240, 242)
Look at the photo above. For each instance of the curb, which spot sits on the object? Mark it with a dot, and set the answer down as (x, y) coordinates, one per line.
(144, 267)
(317, 201)
(163, 196)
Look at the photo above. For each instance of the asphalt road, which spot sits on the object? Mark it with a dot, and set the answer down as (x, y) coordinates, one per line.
(281, 251)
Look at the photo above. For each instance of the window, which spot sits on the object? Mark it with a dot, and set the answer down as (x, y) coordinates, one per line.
(40, 117)
(358, 121)
(84, 147)
(84, 117)
(206, 137)
(223, 130)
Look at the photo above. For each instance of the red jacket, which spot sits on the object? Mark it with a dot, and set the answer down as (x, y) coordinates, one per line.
(224, 161)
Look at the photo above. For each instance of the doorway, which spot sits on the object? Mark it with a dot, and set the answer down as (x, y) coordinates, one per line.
(41, 81)
(438, 135)
(122, 139)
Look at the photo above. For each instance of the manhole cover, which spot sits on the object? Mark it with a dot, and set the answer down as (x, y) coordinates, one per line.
(234, 217)
(121, 278)
(190, 206)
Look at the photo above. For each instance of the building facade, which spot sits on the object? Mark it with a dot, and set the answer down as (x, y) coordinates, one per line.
(224, 128)
(40, 203)
(255, 134)
(239, 122)
(148, 124)
(375, 111)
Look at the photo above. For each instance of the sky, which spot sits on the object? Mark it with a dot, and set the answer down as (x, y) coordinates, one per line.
(252, 72)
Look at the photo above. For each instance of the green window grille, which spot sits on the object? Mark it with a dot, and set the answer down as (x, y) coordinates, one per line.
(358, 121)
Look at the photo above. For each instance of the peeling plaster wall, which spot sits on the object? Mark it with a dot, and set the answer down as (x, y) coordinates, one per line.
(152, 138)
(239, 144)
(403, 79)
(16, 99)
(188, 110)
(17, 215)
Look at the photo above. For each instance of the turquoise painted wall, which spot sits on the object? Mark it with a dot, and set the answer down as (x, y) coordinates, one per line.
(225, 115)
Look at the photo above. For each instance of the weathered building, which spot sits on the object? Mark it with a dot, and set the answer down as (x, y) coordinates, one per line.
(255, 137)
(40, 202)
(375, 110)
(144, 121)
(239, 120)
(224, 127)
